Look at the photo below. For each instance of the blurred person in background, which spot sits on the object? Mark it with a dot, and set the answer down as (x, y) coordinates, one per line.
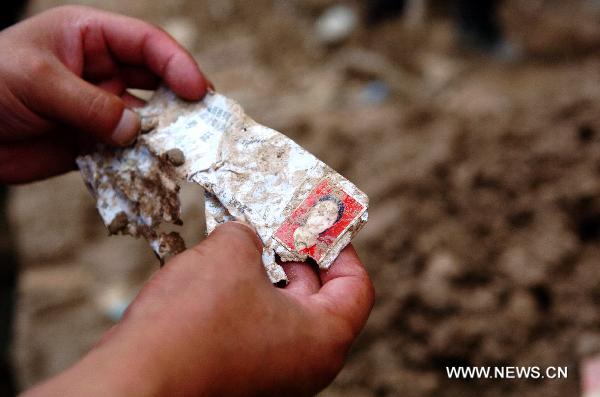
(209, 322)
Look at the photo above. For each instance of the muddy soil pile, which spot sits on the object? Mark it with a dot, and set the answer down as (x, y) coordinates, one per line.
(484, 178)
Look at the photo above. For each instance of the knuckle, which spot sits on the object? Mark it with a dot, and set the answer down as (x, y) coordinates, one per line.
(73, 15)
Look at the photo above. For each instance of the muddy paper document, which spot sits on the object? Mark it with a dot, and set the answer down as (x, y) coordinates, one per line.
(298, 205)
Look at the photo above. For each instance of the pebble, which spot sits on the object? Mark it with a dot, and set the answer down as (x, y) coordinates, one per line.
(175, 157)
(148, 124)
(375, 92)
(336, 24)
(114, 302)
(118, 223)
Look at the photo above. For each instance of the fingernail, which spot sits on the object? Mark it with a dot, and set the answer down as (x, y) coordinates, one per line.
(210, 86)
(128, 128)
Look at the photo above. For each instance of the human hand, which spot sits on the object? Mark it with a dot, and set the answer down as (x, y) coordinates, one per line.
(210, 323)
(63, 78)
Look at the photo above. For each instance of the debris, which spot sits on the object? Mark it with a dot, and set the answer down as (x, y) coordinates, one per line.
(168, 244)
(336, 24)
(374, 92)
(175, 157)
(114, 302)
(148, 124)
(299, 206)
(118, 223)
(368, 65)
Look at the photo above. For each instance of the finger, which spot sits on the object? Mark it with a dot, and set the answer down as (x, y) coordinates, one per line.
(98, 62)
(231, 250)
(22, 162)
(70, 100)
(137, 77)
(134, 42)
(347, 289)
(302, 278)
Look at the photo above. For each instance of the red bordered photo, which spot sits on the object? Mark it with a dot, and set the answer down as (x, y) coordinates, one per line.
(319, 220)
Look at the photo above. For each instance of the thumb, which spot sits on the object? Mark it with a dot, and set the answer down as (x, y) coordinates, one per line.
(231, 248)
(68, 99)
(231, 252)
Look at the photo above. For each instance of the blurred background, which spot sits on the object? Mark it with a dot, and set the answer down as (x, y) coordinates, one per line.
(474, 127)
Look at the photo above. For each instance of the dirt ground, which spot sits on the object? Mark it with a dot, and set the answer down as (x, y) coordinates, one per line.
(483, 174)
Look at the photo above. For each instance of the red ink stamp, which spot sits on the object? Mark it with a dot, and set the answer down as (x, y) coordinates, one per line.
(319, 220)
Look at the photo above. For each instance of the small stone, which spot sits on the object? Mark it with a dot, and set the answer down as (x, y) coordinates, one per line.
(148, 124)
(175, 157)
(118, 223)
(336, 24)
(172, 243)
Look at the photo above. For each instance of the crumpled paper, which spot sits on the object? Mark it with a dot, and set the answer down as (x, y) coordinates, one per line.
(298, 205)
